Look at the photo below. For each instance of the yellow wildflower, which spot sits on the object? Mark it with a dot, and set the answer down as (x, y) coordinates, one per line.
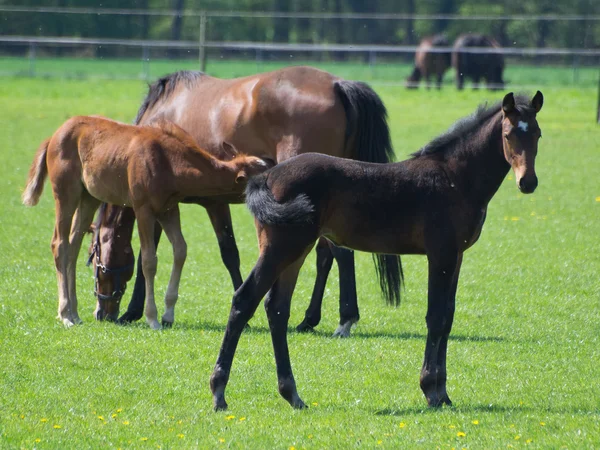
(461, 434)
(292, 448)
(242, 419)
(517, 437)
(543, 424)
(119, 410)
(179, 422)
(38, 440)
(100, 417)
(529, 441)
(598, 199)
(144, 439)
(514, 219)
(43, 419)
(379, 442)
(230, 417)
(58, 427)
(310, 436)
(221, 440)
(401, 424)
(180, 435)
(126, 422)
(451, 427)
(22, 416)
(114, 415)
(315, 404)
(475, 422)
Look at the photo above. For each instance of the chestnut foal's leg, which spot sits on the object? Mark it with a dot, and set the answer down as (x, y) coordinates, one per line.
(172, 226)
(79, 227)
(220, 218)
(443, 276)
(146, 220)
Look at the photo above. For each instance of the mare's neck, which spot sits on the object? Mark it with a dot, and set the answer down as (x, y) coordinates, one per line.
(479, 166)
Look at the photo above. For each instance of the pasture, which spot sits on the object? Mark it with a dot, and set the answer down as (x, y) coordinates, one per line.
(522, 359)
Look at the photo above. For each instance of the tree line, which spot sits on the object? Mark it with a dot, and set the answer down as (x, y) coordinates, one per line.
(510, 33)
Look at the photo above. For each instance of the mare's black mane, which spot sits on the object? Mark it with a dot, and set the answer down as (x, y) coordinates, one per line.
(163, 87)
(469, 124)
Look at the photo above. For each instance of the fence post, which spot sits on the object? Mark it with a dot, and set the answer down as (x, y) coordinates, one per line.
(32, 59)
(202, 41)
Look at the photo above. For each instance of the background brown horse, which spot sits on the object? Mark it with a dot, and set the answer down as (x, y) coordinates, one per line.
(150, 169)
(433, 204)
(275, 116)
(428, 63)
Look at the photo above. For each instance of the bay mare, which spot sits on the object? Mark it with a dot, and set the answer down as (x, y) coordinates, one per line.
(275, 116)
(151, 169)
(433, 204)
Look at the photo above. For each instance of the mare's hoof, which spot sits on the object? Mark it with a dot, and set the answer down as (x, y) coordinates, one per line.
(435, 401)
(343, 330)
(304, 327)
(298, 404)
(77, 320)
(129, 317)
(67, 323)
(166, 324)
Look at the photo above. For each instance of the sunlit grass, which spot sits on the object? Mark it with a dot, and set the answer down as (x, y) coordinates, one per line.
(523, 354)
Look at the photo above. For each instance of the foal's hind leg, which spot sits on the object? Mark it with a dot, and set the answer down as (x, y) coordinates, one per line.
(65, 207)
(277, 306)
(171, 224)
(244, 304)
(312, 316)
(80, 225)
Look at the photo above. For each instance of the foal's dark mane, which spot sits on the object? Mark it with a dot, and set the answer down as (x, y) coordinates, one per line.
(163, 87)
(467, 125)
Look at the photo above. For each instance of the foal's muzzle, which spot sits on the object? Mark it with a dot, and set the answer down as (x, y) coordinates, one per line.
(527, 184)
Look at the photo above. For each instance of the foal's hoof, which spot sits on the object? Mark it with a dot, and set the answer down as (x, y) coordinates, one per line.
(435, 401)
(298, 404)
(219, 403)
(305, 327)
(167, 324)
(67, 323)
(154, 324)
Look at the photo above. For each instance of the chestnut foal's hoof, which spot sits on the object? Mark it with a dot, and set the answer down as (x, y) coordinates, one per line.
(343, 330)
(166, 324)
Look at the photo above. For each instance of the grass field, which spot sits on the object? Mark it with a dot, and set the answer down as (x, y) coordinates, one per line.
(523, 355)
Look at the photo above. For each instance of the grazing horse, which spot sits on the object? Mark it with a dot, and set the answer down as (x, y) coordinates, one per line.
(433, 204)
(476, 66)
(428, 62)
(150, 169)
(275, 116)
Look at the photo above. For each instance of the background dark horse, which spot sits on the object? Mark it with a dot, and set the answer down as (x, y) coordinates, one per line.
(275, 116)
(477, 66)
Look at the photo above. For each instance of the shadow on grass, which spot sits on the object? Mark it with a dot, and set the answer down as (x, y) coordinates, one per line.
(470, 409)
(403, 336)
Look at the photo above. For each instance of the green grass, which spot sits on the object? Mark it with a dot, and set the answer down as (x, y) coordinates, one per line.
(517, 73)
(523, 357)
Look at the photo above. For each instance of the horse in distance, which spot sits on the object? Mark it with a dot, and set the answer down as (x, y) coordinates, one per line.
(432, 204)
(151, 169)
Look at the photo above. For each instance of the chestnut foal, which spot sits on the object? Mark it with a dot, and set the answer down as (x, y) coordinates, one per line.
(152, 168)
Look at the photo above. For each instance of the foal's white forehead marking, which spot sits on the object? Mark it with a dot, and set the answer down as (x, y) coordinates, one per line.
(523, 125)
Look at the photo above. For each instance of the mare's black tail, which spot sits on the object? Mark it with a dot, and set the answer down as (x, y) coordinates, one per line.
(366, 119)
(267, 210)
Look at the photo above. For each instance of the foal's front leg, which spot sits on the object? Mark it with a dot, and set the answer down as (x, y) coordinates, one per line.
(146, 219)
(171, 224)
(440, 314)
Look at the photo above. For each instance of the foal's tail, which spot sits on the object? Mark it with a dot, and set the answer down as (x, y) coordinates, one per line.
(268, 211)
(37, 175)
(366, 120)
(390, 275)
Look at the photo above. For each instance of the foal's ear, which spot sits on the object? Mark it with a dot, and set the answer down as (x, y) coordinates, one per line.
(537, 101)
(508, 104)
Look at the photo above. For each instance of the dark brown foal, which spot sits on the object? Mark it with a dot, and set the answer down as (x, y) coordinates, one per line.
(433, 204)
